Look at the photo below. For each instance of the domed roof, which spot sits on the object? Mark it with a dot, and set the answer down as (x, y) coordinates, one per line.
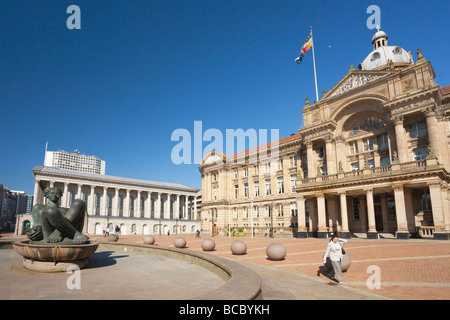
(382, 54)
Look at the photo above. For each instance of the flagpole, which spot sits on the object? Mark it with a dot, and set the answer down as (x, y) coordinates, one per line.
(229, 216)
(314, 63)
(251, 214)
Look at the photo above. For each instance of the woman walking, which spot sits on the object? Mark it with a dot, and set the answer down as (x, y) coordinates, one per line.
(334, 249)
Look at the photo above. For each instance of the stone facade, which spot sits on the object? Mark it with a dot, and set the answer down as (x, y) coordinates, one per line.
(136, 206)
(372, 159)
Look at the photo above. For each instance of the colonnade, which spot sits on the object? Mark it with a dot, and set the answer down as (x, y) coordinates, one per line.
(123, 201)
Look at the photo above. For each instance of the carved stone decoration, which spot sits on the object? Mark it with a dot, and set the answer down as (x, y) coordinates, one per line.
(355, 81)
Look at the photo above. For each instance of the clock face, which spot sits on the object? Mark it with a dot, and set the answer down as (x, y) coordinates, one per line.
(213, 159)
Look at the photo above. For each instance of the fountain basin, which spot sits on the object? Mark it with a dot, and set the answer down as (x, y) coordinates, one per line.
(46, 257)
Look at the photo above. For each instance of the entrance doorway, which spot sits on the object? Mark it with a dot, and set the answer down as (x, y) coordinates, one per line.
(378, 218)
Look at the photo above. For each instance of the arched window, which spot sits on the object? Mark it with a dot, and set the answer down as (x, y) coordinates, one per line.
(367, 125)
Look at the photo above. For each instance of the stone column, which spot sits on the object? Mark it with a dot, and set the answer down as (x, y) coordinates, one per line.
(37, 197)
(400, 137)
(331, 155)
(195, 208)
(126, 205)
(90, 204)
(104, 210)
(79, 191)
(321, 216)
(186, 208)
(372, 232)
(345, 233)
(167, 212)
(310, 159)
(438, 211)
(138, 206)
(400, 212)
(433, 132)
(148, 210)
(158, 206)
(116, 206)
(176, 210)
(301, 217)
(65, 195)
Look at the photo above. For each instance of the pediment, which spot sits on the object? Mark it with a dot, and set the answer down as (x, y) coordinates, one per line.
(353, 80)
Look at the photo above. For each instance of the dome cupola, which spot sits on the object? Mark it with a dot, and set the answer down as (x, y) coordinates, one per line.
(384, 56)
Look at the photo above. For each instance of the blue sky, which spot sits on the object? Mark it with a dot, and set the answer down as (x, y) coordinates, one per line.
(138, 70)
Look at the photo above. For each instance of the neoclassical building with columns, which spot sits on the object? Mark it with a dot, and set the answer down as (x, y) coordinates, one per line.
(136, 206)
(372, 160)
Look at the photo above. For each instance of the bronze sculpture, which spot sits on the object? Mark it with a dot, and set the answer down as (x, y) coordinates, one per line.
(53, 224)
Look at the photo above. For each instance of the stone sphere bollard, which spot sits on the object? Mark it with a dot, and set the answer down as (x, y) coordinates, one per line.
(208, 245)
(345, 263)
(149, 240)
(179, 242)
(238, 247)
(276, 251)
(113, 238)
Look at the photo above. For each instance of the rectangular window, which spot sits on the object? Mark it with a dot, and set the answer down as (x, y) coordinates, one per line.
(245, 213)
(255, 212)
(420, 153)
(236, 191)
(294, 209)
(368, 144)
(268, 211)
(391, 207)
(268, 188)
(353, 147)
(385, 161)
(280, 185)
(245, 172)
(293, 182)
(280, 210)
(383, 142)
(120, 201)
(417, 129)
(246, 190)
(97, 200)
(131, 202)
(110, 201)
(257, 189)
(355, 166)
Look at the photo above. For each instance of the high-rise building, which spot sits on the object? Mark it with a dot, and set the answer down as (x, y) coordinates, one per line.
(74, 161)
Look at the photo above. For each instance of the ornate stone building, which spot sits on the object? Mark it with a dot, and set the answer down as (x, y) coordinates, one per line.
(372, 159)
(136, 206)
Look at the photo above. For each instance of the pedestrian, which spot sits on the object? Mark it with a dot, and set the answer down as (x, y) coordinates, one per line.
(334, 250)
(168, 232)
(107, 232)
(197, 234)
(117, 230)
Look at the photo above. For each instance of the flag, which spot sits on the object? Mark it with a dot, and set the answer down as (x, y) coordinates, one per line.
(308, 44)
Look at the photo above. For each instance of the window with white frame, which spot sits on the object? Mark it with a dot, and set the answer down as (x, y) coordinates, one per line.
(268, 188)
(293, 182)
(280, 210)
(256, 188)
(255, 212)
(246, 190)
(368, 144)
(293, 209)
(280, 185)
(353, 147)
(268, 211)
